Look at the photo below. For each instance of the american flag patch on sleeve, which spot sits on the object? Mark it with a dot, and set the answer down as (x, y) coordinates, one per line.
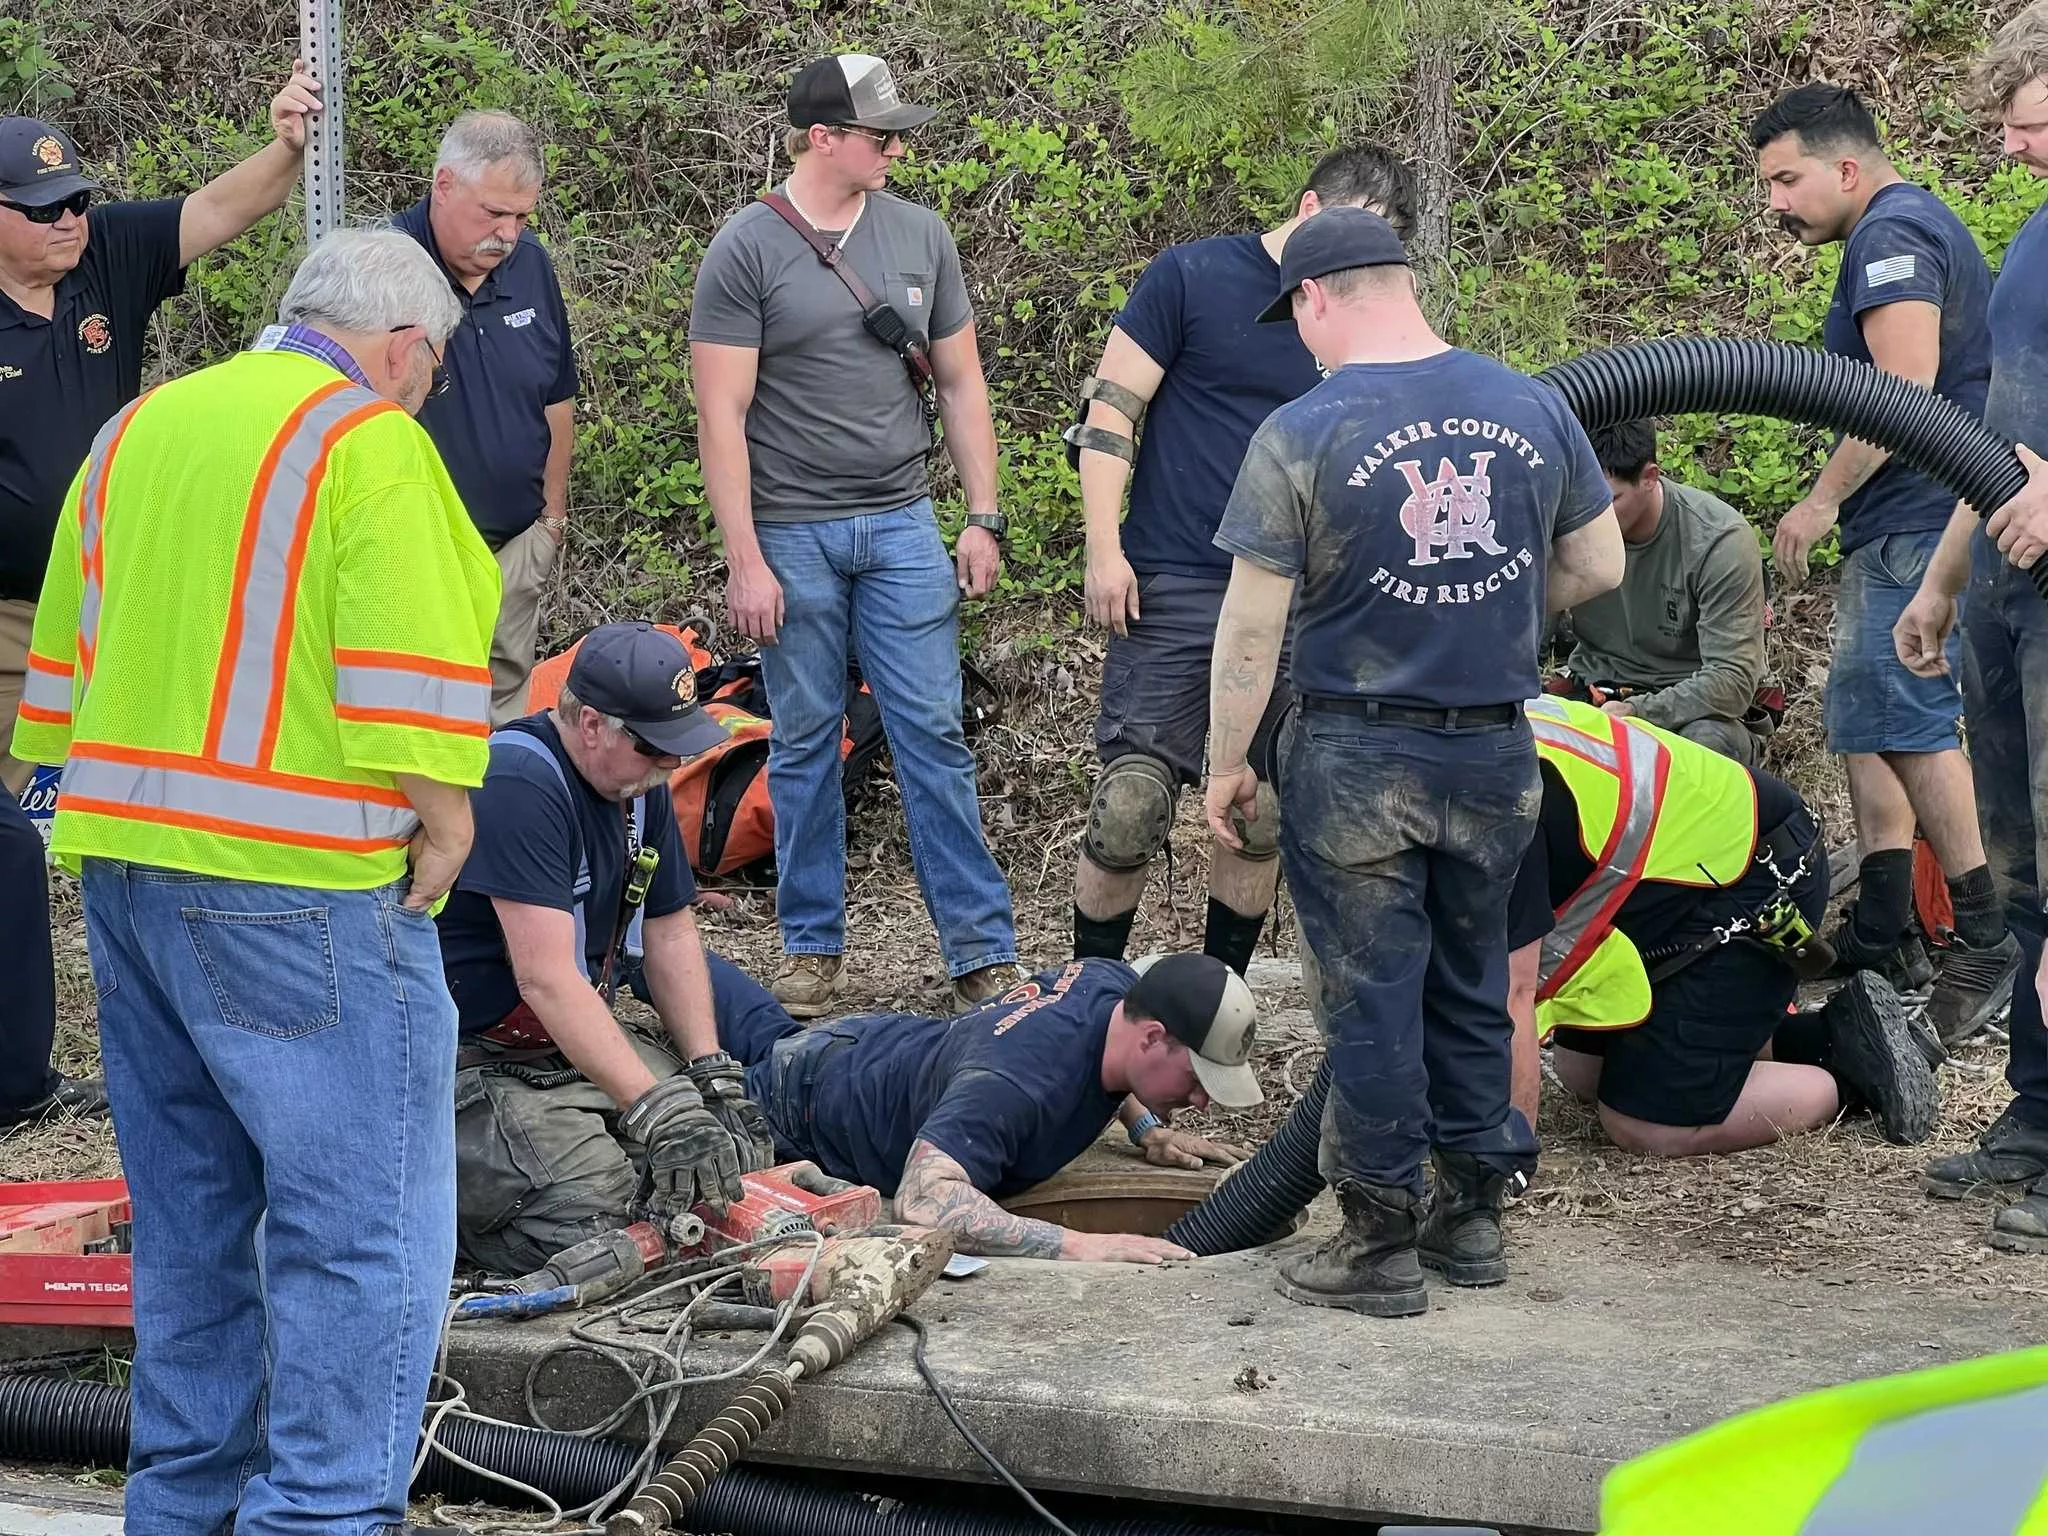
(1893, 269)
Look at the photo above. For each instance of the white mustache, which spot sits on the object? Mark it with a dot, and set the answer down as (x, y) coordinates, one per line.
(491, 245)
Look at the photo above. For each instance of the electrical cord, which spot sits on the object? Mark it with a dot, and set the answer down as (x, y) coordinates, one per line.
(916, 1326)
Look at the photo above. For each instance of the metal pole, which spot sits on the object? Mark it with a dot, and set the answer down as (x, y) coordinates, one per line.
(320, 47)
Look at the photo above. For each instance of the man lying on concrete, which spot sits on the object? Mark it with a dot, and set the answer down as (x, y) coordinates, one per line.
(563, 1119)
(1662, 973)
(1680, 643)
(951, 1115)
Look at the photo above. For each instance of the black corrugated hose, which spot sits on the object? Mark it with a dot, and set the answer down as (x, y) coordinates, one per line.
(45, 1418)
(1921, 429)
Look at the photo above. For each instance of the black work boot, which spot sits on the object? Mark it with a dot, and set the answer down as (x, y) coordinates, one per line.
(1904, 964)
(2010, 1155)
(1370, 1266)
(1460, 1236)
(2023, 1227)
(1974, 985)
(1876, 1062)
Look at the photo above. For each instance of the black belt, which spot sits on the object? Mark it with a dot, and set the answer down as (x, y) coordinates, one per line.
(1470, 717)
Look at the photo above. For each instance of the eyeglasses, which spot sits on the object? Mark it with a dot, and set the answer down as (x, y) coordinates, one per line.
(874, 136)
(645, 747)
(50, 213)
(439, 381)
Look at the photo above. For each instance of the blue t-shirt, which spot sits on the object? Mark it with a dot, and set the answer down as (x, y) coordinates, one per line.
(1012, 1091)
(2016, 407)
(1908, 245)
(531, 836)
(1416, 502)
(1194, 312)
(507, 362)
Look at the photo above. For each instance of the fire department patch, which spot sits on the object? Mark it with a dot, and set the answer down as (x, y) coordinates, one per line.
(97, 332)
(50, 152)
(686, 686)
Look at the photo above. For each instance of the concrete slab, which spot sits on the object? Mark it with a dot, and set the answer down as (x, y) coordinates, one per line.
(39, 1508)
(1197, 1383)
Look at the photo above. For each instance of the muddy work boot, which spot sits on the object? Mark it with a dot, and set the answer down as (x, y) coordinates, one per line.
(1371, 1265)
(1974, 985)
(807, 984)
(1460, 1236)
(1876, 1062)
(974, 988)
(2011, 1154)
(1904, 964)
(2023, 1227)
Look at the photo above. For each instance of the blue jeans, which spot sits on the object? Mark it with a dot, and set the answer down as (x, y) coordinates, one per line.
(886, 583)
(2005, 693)
(1400, 844)
(1873, 704)
(281, 1063)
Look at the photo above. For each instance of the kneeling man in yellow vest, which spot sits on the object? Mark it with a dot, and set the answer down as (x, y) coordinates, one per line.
(261, 654)
(1659, 925)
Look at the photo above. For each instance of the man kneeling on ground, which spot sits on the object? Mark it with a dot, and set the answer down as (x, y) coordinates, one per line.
(564, 1121)
(951, 1115)
(1663, 973)
(1682, 638)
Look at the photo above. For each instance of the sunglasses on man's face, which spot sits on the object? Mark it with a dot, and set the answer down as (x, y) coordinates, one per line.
(50, 213)
(645, 747)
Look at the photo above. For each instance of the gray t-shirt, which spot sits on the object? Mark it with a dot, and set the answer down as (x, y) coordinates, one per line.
(1687, 621)
(835, 430)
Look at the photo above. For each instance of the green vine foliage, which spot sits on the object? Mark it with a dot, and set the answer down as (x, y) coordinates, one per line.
(1603, 187)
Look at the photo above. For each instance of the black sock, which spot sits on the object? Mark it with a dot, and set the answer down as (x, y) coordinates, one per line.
(1884, 897)
(1802, 1040)
(1979, 921)
(1231, 936)
(1102, 938)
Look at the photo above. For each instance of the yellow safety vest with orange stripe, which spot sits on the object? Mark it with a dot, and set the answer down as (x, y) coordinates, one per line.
(1652, 806)
(264, 601)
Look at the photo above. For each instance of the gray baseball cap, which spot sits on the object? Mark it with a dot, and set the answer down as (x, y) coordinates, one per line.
(854, 88)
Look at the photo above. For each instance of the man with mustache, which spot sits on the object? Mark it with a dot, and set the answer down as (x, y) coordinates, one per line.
(506, 424)
(1911, 299)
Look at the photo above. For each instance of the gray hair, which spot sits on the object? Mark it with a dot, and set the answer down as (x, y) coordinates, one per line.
(476, 141)
(369, 281)
(569, 708)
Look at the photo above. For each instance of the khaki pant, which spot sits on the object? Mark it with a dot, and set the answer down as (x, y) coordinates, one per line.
(526, 562)
(539, 1162)
(17, 620)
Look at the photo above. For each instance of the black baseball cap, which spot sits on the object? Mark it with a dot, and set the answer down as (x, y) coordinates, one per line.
(39, 164)
(1334, 240)
(852, 88)
(644, 676)
(1206, 1006)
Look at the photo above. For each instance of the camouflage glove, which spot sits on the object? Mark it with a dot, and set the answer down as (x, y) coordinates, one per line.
(689, 1155)
(722, 1081)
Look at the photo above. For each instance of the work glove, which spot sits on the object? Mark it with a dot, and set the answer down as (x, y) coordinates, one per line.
(722, 1082)
(690, 1157)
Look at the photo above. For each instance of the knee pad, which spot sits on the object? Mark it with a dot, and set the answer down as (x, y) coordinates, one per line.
(1131, 815)
(1261, 838)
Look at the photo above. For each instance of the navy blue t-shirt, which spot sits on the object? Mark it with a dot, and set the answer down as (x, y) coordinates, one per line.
(1012, 1091)
(1908, 245)
(1417, 503)
(507, 362)
(1194, 313)
(63, 378)
(2017, 406)
(531, 835)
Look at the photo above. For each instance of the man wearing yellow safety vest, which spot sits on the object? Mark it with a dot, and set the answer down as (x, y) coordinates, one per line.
(1661, 922)
(261, 655)
(1958, 1450)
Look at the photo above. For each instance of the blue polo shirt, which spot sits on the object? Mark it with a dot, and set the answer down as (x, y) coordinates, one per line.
(1908, 245)
(61, 379)
(1195, 313)
(507, 362)
(532, 834)
(1011, 1091)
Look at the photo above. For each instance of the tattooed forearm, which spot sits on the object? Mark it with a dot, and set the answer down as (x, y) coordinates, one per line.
(1247, 653)
(935, 1192)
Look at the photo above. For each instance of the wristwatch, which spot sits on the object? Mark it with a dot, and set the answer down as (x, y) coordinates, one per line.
(994, 522)
(1144, 1126)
